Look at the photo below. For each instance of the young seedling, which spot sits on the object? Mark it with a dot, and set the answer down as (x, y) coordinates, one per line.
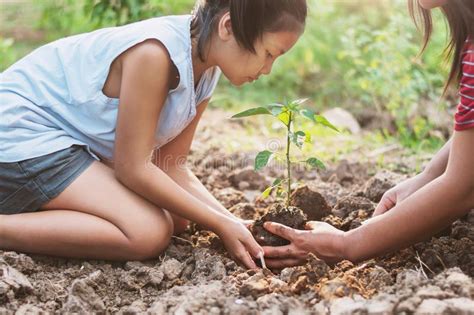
(287, 113)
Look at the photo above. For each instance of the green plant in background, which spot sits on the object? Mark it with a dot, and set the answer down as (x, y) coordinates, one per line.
(119, 12)
(287, 113)
(359, 54)
(8, 55)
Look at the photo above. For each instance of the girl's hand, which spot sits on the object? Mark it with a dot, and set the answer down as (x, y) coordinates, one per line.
(321, 239)
(400, 192)
(239, 242)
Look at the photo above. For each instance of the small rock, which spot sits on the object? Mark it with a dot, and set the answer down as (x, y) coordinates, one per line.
(318, 267)
(285, 274)
(229, 197)
(341, 118)
(380, 183)
(379, 278)
(244, 185)
(432, 306)
(208, 266)
(255, 286)
(433, 292)
(22, 262)
(244, 211)
(253, 179)
(383, 304)
(143, 276)
(313, 204)
(408, 306)
(347, 305)
(335, 288)
(277, 284)
(349, 204)
(136, 307)
(171, 268)
(28, 309)
(82, 299)
(129, 265)
(455, 280)
(462, 306)
(11, 280)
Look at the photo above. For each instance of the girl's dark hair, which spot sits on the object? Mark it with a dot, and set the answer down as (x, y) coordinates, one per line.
(250, 19)
(460, 17)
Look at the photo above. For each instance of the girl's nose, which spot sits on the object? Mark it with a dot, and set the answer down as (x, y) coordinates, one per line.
(267, 68)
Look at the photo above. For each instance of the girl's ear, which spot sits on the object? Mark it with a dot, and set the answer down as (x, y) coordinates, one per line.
(224, 29)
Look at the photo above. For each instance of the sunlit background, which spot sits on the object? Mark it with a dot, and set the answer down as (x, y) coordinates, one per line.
(360, 55)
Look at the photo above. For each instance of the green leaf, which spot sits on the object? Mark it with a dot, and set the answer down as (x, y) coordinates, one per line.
(267, 192)
(299, 101)
(284, 117)
(314, 162)
(298, 138)
(262, 158)
(309, 114)
(276, 182)
(323, 121)
(275, 110)
(253, 112)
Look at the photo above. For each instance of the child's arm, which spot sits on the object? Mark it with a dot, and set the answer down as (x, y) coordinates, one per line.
(172, 159)
(400, 192)
(146, 77)
(421, 215)
(427, 211)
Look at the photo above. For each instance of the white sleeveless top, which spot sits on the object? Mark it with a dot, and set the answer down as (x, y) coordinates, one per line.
(52, 98)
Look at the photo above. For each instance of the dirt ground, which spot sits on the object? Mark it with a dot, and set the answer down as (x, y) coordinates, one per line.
(196, 276)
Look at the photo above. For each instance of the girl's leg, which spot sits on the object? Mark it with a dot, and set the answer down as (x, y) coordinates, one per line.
(94, 217)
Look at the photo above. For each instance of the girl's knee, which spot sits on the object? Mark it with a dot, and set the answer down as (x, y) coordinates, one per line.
(151, 240)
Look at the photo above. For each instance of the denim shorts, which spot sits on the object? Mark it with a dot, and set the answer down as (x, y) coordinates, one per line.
(27, 185)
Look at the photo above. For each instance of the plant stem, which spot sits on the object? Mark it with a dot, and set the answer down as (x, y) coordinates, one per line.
(288, 162)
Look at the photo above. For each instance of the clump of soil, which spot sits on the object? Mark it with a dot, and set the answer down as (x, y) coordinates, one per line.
(312, 202)
(380, 183)
(291, 216)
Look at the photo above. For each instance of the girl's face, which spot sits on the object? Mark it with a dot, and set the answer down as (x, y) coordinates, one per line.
(241, 66)
(431, 4)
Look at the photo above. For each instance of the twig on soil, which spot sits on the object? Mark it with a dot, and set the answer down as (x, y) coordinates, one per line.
(184, 240)
(441, 261)
(422, 264)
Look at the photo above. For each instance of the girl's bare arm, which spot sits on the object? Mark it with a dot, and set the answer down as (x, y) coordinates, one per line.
(172, 158)
(144, 89)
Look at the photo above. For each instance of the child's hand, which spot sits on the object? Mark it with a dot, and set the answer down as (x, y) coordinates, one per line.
(321, 239)
(239, 242)
(400, 192)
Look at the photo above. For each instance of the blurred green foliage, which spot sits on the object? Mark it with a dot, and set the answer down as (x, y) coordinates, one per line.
(355, 54)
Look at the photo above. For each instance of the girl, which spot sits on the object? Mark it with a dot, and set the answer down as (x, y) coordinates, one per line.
(81, 117)
(419, 206)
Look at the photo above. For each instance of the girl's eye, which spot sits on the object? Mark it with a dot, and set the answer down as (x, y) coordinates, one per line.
(269, 55)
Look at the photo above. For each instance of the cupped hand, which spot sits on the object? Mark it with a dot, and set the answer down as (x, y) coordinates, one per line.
(240, 243)
(319, 238)
(397, 194)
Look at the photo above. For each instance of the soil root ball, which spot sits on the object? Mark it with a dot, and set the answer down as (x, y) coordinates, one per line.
(291, 216)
